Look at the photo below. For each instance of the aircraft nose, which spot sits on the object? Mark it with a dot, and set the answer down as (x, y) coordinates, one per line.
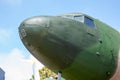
(49, 39)
(31, 25)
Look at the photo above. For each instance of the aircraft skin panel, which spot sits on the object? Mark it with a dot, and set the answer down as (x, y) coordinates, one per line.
(100, 59)
(77, 50)
(116, 75)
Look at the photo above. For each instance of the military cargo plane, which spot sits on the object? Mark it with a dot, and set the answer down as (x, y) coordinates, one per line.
(76, 45)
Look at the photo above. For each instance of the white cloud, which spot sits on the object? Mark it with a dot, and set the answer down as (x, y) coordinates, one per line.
(36, 66)
(15, 65)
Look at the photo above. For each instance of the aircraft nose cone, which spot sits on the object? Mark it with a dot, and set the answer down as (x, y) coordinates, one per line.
(37, 21)
(31, 25)
(48, 39)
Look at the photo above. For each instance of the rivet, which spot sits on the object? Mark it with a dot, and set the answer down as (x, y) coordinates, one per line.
(108, 73)
(97, 53)
(100, 41)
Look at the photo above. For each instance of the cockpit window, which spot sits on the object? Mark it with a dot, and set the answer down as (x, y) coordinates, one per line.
(78, 18)
(81, 18)
(70, 17)
(89, 22)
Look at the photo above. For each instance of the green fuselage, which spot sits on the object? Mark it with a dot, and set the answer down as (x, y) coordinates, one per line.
(79, 51)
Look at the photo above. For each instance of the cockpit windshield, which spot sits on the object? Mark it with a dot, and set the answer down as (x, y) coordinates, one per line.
(69, 17)
(77, 18)
(89, 22)
(81, 18)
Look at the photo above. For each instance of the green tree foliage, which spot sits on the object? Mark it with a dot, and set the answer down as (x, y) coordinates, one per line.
(46, 73)
(32, 78)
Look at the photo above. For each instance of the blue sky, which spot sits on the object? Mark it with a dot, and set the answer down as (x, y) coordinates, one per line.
(13, 12)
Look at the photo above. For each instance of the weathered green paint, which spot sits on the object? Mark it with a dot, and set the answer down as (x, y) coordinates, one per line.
(79, 51)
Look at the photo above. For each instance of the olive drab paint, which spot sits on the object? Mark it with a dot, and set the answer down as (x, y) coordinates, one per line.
(81, 47)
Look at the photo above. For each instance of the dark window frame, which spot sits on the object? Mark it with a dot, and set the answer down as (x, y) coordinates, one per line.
(89, 22)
